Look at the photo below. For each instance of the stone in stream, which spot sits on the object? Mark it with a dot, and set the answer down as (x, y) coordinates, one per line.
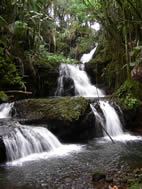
(98, 175)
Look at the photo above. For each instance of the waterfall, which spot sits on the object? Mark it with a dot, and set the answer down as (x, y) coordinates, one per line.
(26, 140)
(87, 57)
(5, 109)
(82, 86)
(108, 118)
(81, 82)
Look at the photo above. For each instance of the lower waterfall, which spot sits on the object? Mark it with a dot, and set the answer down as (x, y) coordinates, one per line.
(24, 140)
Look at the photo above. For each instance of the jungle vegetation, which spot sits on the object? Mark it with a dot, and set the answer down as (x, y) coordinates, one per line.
(37, 35)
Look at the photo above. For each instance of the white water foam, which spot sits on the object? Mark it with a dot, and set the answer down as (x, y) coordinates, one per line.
(124, 138)
(62, 151)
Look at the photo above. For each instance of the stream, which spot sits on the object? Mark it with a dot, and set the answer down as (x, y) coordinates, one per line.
(74, 169)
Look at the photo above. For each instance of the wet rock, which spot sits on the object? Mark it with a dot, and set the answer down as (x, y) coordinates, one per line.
(69, 89)
(2, 151)
(98, 175)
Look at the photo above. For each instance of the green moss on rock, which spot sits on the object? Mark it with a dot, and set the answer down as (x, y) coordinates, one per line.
(67, 108)
(98, 175)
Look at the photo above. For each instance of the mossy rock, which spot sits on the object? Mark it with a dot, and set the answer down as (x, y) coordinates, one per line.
(98, 175)
(69, 118)
(67, 108)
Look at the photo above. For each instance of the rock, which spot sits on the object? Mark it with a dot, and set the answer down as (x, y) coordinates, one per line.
(62, 109)
(98, 175)
(2, 151)
(69, 118)
(69, 89)
(136, 72)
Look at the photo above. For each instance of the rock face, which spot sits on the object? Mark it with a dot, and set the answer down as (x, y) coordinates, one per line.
(69, 118)
(136, 73)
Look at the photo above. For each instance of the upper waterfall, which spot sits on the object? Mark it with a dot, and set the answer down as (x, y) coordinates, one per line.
(73, 80)
(87, 57)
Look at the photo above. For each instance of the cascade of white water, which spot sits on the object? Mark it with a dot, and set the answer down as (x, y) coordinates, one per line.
(5, 109)
(87, 57)
(82, 84)
(83, 87)
(111, 121)
(24, 140)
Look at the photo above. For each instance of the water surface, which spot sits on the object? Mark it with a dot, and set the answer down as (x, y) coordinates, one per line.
(74, 169)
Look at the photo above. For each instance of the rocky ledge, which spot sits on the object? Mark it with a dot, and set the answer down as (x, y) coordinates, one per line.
(69, 118)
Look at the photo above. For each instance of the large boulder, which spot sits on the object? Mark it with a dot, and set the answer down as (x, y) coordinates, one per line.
(69, 118)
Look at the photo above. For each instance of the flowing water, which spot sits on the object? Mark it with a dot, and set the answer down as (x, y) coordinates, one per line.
(110, 120)
(5, 109)
(82, 84)
(72, 170)
(87, 57)
(24, 140)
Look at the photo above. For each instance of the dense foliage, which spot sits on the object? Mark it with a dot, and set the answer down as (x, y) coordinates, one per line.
(43, 33)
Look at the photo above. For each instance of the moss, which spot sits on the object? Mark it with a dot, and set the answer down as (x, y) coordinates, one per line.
(131, 87)
(66, 108)
(97, 171)
(3, 96)
(135, 186)
(129, 95)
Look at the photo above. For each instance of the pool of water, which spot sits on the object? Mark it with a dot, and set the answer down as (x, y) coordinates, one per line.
(72, 170)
